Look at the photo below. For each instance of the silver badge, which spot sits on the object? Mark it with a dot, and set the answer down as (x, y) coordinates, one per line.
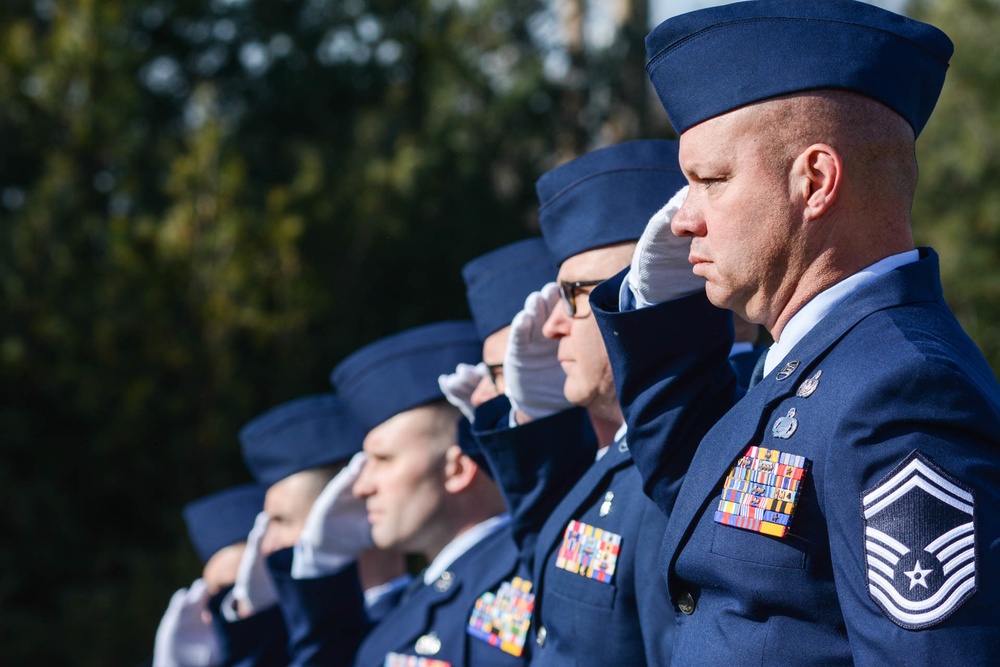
(785, 426)
(807, 388)
(606, 505)
(787, 370)
(622, 446)
(428, 645)
(444, 582)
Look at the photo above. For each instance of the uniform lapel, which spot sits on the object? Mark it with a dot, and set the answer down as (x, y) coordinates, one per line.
(412, 619)
(550, 537)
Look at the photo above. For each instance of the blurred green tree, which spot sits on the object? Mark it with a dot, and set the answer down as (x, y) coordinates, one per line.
(957, 209)
(204, 205)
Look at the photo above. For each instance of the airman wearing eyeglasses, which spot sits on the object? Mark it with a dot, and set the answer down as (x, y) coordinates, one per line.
(497, 285)
(587, 611)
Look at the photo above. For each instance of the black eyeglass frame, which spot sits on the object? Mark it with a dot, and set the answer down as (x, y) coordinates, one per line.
(568, 292)
(492, 370)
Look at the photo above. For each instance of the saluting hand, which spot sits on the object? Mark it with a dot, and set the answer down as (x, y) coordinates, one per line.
(460, 385)
(254, 590)
(660, 268)
(532, 374)
(336, 529)
(184, 637)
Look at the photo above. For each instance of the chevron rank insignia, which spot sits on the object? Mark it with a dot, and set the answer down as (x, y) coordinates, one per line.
(761, 491)
(588, 551)
(502, 619)
(401, 660)
(920, 543)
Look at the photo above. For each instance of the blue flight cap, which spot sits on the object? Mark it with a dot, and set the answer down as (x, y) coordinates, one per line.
(400, 372)
(222, 518)
(497, 283)
(711, 61)
(606, 196)
(305, 433)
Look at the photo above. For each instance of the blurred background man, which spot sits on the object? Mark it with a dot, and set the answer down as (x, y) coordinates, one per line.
(300, 450)
(425, 496)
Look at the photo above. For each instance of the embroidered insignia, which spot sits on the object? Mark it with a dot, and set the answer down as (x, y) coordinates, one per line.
(588, 551)
(428, 644)
(808, 387)
(920, 543)
(762, 490)
(787, 370)
(401, 660)
(606, 505)
(785, 426)
(502, 619)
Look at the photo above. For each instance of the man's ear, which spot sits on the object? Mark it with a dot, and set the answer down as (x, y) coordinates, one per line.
(459, 470)
(818, 171)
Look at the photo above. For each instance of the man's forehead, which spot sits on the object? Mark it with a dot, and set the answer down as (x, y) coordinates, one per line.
(587, 265)
(717, 138)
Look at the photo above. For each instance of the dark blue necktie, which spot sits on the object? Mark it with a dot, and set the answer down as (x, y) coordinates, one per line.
(758, 370)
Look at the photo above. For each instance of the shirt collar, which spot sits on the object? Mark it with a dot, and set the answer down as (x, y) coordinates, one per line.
(820, 305)
(458, 546)
(619, 436)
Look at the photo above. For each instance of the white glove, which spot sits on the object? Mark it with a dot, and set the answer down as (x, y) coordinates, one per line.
(533, 378)
(254, 590)
(336, 529)
(184, 638)
(660, 268)
(460, 385)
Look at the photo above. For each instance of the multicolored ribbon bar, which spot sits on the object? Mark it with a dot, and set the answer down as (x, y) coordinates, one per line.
(761, 491)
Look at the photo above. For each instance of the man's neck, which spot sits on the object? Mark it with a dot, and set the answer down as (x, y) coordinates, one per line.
(825, 272)
(605, 427)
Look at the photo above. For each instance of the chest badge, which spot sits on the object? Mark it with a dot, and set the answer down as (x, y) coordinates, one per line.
(588, 551)
(785, 426)
(502, 619)
(606, 505)
(809, 386)
(762, 490)
(787, 370)
(429, 644)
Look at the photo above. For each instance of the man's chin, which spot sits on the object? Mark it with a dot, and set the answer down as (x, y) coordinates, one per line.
(576, 394)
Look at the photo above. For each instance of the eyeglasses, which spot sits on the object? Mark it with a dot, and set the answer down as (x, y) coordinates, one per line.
(496, 374)
(569, 291)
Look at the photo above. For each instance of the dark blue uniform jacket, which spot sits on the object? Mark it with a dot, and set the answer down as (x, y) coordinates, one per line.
(579, 620)
(891, 552)
(430, 621)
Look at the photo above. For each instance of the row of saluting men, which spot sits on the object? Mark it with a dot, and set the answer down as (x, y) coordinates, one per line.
(622, 488)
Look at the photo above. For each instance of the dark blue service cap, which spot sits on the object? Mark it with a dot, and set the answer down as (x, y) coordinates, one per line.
(497, 283)
(306, 433)
(711, 61)
(606, 196)
(222, 518)
(400, 372)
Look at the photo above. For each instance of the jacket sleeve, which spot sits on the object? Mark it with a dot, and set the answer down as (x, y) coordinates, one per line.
(256, 641)
(325, 616)
(535, 464)
(671, 369)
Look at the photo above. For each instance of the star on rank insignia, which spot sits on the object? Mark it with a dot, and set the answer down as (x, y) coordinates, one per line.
(588, 551)
(920, 543)
(502, 619)
(761, 491)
